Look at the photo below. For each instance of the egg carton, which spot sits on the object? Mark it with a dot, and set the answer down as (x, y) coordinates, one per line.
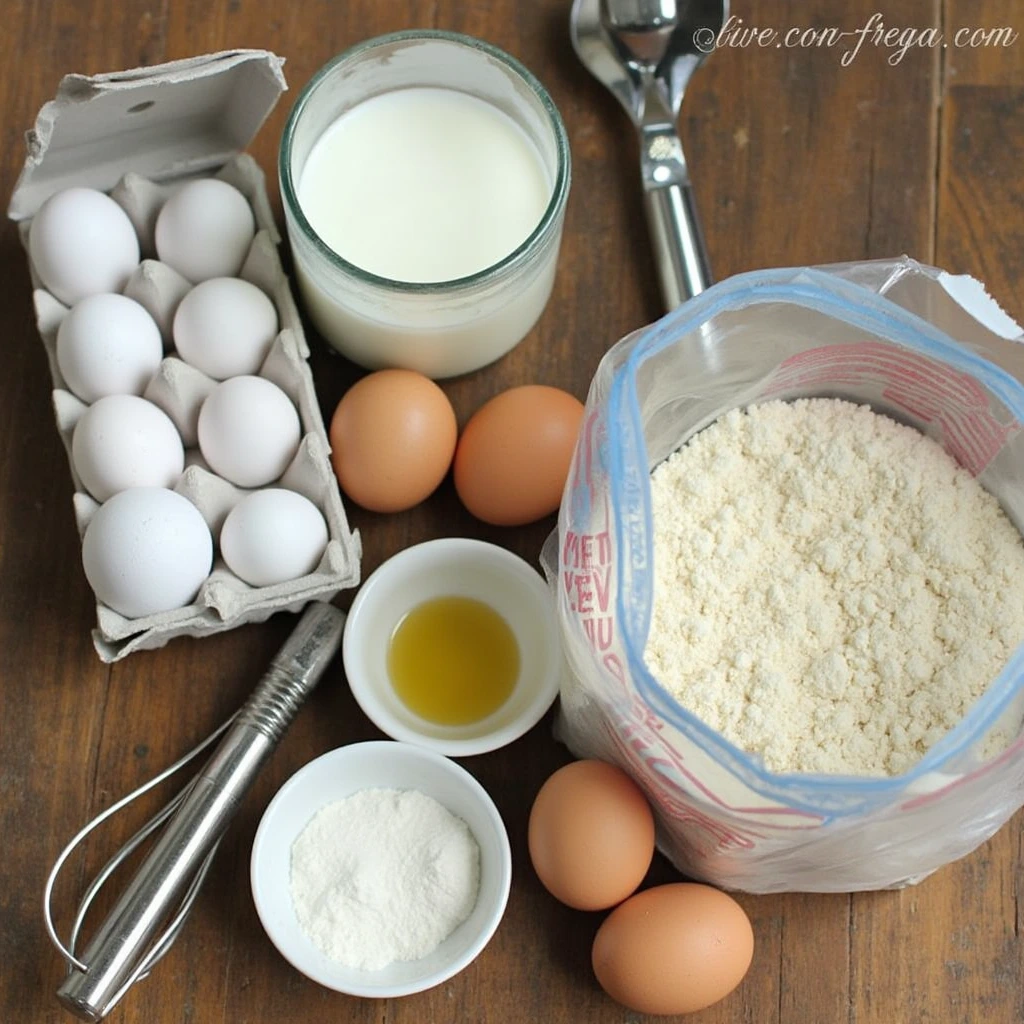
(224, 601)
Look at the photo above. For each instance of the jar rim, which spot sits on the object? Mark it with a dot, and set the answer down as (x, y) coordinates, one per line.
(492, 272)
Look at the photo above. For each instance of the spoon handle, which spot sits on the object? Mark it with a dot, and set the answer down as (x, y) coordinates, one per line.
(679, 251)
(680, 254)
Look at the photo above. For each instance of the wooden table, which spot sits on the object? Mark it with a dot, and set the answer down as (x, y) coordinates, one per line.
(797, 159)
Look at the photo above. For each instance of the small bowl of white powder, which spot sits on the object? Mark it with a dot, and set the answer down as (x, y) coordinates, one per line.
(381, 869)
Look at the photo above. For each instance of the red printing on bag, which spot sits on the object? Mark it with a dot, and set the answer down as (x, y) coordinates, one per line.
(586, 574)
(955, 402)
(654, 756)
(679, 813)
(587, 564)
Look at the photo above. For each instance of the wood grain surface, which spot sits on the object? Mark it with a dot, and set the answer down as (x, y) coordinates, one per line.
(797, 158)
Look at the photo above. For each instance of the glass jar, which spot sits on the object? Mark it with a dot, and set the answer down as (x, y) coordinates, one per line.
(450, 327)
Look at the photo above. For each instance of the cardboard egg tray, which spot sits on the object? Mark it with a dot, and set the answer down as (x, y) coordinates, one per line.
(135, 135)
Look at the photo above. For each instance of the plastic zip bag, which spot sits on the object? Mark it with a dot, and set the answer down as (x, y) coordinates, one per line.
(880, 333)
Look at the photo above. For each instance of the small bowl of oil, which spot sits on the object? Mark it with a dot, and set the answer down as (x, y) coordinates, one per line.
(453, 645)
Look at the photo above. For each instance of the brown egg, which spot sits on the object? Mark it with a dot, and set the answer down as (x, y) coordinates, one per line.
(514, 454)
(673, 949)
(392, 436)
(591, 835)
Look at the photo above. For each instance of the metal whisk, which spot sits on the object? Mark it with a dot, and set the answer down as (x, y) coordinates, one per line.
(124, 947)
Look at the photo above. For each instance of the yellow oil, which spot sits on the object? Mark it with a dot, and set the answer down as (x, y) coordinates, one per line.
(453, 660)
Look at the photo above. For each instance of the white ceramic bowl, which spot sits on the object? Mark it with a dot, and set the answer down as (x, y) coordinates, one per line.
(466, 568)
(336, 775)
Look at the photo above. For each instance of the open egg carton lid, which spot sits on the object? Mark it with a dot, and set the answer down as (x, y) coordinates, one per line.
(136, 135)
(166, 122)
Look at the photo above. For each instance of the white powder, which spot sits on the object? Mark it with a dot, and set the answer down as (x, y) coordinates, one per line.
(832, 592)
(384, 875)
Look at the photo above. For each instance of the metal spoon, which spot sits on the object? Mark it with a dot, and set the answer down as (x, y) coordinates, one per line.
(644, 52)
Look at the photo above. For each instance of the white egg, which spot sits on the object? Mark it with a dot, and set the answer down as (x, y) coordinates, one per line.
(82, 243)
(108, 345)
(123, 441)
(147, 550)
(225, 327)
(205, 229)
(249, 431)
(273, 535)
